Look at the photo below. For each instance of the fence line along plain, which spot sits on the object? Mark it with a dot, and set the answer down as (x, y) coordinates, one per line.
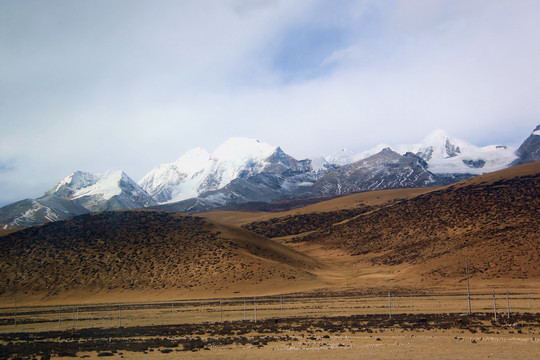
(40, 318)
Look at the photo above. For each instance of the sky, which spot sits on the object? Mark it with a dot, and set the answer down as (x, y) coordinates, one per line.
(129, 84)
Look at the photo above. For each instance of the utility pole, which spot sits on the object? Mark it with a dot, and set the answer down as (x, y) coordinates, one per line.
(507, 303)
(255, 308)
(494, 306)
(221, 310)
(15, 313)
(389, 305)
(468, 288)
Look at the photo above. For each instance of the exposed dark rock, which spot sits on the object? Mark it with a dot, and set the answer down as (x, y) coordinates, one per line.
(529, 151)
(385, 170)
(476, 164)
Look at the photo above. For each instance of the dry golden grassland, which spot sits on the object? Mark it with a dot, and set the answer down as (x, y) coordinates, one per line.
(396, 325)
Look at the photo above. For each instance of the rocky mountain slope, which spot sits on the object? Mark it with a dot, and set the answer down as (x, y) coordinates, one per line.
(79, 193)
(31, 212)
(384, 170)
(529, 151)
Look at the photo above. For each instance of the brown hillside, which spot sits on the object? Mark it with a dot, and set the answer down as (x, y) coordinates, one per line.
(297, 224)
(491, 220)
(145, 251)
(8, 231)
(349, 202)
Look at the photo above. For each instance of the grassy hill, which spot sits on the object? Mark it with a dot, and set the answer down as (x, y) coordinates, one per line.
(356, 202)
(148, 251)
(490, 220)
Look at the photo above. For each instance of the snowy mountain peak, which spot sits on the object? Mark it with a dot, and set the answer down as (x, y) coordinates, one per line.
(82, 192)
(345, 156)
(236, 158)
(445, 154)
(72, 183)
(439, 144)
(82, 183)
(194, 160)
(112, 190)
(241, 148)
(319, 164)
(108, 185)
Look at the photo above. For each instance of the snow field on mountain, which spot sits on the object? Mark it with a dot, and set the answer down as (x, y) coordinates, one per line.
(198, 171)
(107, 186)
(443, 153)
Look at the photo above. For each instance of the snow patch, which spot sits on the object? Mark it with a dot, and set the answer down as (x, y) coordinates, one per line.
(107, 186)
(343, 157)
(241, 149)
(318, 163)
(77, 181)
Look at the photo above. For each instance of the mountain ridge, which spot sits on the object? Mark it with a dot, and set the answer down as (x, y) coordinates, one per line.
(243, 170)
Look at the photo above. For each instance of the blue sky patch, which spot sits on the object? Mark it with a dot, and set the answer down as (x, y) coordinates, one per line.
(302, 51)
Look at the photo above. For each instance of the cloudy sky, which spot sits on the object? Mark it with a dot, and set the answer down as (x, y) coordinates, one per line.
(97, 85)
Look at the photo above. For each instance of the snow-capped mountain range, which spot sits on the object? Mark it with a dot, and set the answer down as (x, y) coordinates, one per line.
(443, 153)
(111, 191)
(198, 171)
(244, 170)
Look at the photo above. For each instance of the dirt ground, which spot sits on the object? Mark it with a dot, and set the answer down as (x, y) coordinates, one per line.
(306, 326)
(421, 336)
(415, 345)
